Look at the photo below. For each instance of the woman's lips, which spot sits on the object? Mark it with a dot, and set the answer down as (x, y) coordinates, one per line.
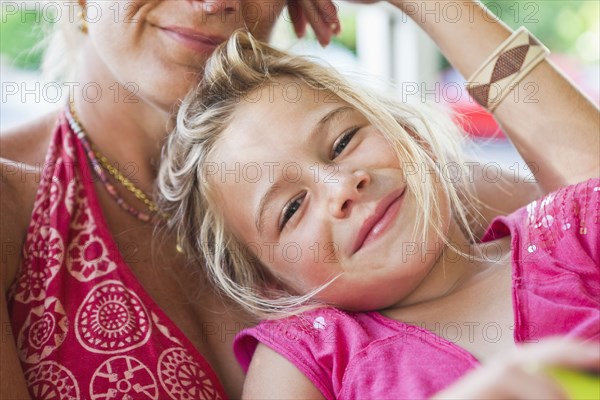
(193, 39)
(376, 225)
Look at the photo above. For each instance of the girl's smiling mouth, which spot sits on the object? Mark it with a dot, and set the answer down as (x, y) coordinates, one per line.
(376, 225)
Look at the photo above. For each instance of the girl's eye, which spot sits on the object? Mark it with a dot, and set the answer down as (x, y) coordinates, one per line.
(289, 211)
(343, 142)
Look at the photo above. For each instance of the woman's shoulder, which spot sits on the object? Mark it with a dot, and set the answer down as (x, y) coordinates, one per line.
(22, 154)
(27, 143)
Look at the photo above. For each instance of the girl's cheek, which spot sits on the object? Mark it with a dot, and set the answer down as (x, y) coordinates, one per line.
(377, 149)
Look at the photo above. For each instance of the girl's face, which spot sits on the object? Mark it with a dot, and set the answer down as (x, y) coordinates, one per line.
(155, 48)
(315, 191)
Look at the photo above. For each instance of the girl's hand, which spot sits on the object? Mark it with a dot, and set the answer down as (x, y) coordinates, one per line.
(525, 374)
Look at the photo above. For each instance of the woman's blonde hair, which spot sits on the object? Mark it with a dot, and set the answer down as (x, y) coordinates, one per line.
(62, 43)
(422, 138)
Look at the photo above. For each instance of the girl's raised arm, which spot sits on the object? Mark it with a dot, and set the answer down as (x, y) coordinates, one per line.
(552, 124)
(555, 128)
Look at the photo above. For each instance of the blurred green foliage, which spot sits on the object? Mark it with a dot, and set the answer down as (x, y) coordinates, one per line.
(564, 26)
(20, 36)
(347, 37)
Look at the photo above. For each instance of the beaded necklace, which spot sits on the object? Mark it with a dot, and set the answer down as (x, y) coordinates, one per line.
(99, 162)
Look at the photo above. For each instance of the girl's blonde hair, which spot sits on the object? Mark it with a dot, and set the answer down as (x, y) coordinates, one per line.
(423, 139)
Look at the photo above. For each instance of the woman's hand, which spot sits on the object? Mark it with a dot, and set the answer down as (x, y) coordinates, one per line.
(524, 373)
(322, 15)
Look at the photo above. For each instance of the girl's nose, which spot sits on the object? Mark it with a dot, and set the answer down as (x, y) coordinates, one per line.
(344, 190)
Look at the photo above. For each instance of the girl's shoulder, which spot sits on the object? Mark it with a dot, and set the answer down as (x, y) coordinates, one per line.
(308, 340)
(562, 224)
(555, 254)
(577, 202)
(313, 337)
(359, 355)
(315, 328)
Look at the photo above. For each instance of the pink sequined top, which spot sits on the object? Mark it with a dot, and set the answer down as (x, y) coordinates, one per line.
(84, 326)
(555, 245)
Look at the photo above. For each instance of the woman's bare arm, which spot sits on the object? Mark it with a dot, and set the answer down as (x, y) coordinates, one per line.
(22, 153)
(12, 380)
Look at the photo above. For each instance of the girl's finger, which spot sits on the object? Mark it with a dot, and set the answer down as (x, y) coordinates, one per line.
(534, 385)
(564, 353)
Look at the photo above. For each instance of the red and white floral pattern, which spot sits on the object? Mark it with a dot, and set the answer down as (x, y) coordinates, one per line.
(183, 378)
(43, 258)
(112, 319)
(50, 380)
(123, 377)
(78, 311)
(43, 332)
(163, 328)
(88, 256)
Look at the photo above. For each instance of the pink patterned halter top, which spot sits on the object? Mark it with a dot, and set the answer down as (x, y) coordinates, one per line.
(83, 325)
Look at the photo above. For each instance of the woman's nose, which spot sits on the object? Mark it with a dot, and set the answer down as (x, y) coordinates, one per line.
(344, 190)
(219, 6)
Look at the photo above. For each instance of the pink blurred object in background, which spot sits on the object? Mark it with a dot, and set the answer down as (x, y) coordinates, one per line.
(480, 124)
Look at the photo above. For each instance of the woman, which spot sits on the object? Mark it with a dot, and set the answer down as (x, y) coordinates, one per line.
(143, 56)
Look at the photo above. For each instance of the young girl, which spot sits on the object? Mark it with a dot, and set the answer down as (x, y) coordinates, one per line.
(300, 191)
